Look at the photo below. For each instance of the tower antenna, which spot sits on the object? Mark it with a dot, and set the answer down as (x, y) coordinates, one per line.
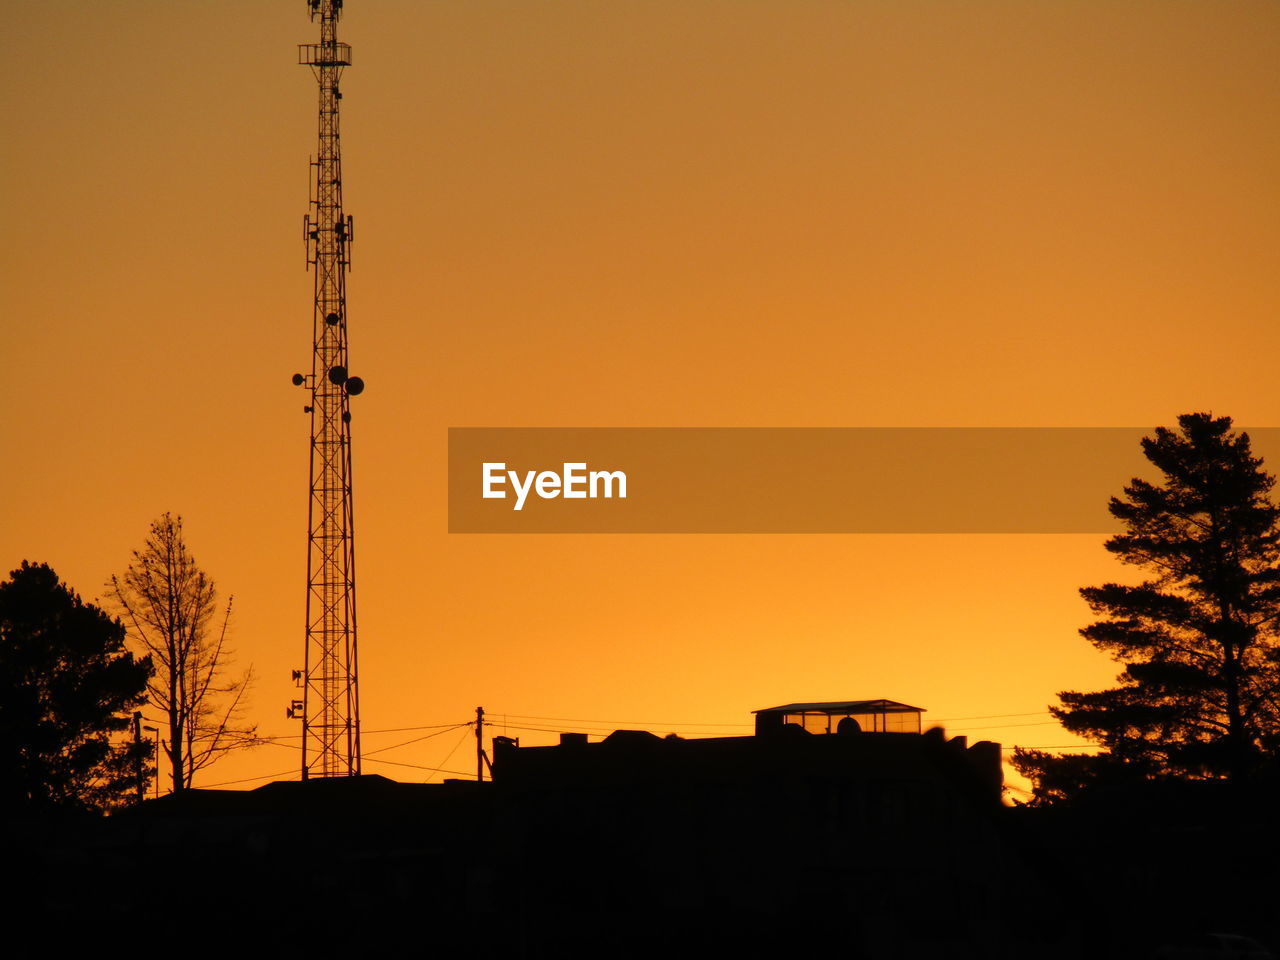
(330, 704)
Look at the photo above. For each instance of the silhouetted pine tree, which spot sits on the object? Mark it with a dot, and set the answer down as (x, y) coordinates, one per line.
(67, 689)
(1200, 693)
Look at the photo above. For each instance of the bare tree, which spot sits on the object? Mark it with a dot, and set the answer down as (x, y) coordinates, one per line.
(170, 608)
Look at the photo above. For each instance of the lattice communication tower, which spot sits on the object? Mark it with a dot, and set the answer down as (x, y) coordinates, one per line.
(330, 704)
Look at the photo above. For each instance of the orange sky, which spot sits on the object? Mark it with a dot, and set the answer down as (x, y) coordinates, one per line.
(644, 213)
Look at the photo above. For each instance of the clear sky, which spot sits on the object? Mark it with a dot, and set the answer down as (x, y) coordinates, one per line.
(642, 213)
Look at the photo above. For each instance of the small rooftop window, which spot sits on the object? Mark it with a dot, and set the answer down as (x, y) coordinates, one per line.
(871, 716)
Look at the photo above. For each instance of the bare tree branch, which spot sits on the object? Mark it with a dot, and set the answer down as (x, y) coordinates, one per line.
(168, 604)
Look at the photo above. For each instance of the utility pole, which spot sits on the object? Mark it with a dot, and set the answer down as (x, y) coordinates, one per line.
(480, 744)
(330, 706)
(139, 764)
(155, 742)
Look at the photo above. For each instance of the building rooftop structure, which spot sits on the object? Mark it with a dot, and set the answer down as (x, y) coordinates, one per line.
(853, 740)
(866, 716)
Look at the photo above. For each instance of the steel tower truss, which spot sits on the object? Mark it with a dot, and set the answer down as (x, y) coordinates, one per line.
(329, 708)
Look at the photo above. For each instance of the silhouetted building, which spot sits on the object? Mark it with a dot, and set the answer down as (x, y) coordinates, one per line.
(878, 843)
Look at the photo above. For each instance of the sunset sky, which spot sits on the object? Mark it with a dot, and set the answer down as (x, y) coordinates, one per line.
(642, 213)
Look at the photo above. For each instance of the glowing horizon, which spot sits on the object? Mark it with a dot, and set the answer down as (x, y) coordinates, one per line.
(670, 214)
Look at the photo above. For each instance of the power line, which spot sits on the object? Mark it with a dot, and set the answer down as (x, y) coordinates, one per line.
(587, 723)
(418, 766)
(427, 736)
(394, 746)
(268, 776)
(273, 738)
(649, 723)
(455, 748)
(428, 726)
(590, 726)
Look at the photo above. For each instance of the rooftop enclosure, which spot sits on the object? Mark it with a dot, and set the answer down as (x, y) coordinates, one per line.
(870, 716)
(791, 759)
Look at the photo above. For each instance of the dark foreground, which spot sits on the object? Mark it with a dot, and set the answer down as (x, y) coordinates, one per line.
(875, 846)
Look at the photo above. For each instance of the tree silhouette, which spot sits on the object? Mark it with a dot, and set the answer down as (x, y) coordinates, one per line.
(1199, 696)
(169, 606)
(68, 687)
